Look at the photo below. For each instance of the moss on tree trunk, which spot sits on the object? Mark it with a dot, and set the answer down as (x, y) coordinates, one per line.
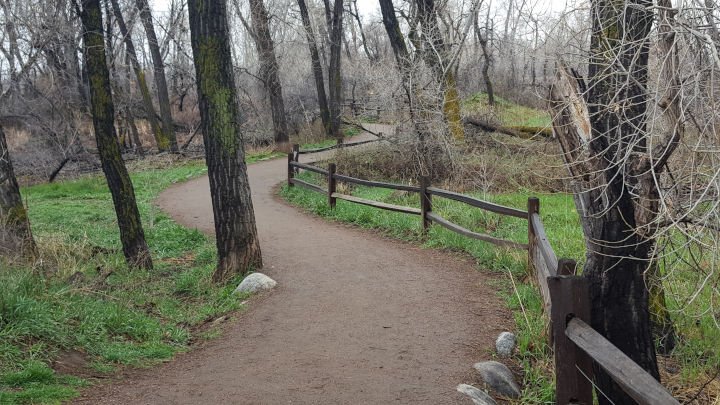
(235, 232)
(15, 235)
(132, 235)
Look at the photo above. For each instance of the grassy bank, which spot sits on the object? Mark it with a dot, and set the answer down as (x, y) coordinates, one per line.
(80, 312)
(685, 372)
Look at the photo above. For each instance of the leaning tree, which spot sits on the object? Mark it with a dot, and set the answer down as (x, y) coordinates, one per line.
(132, 236)
(15, 236)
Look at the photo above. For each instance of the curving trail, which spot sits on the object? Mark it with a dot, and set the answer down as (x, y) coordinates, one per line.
(356, 318)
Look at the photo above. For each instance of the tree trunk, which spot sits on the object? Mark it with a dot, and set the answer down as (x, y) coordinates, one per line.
(316, 67)
(436, 55)
(487, 56)
(132, 236)
(371, 57)
(15, 236)
(168, 127)
(161, 139)
(236, 235)
(269, 69)
(605, 150)
(334, 70)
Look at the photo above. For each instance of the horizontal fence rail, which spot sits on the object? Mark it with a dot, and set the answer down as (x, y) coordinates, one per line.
(637, 383)
(377, 204)
(370, 183)
(565, 296)
(474, 235)
(487, 206)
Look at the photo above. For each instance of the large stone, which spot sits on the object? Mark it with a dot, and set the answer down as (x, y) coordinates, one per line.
(499, 378)
(478, 396)
(255, 282)
(505, 344)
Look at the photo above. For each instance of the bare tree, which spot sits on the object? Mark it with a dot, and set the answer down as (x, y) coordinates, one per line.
(159, 75)
(235, 232)
(161, 139)
(15, 236)
(335, 68)
(132, 235)
(316, 66)
(269, 68)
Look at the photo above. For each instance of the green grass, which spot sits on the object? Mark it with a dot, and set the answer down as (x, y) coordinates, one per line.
(697, 352)
(134, 317)
(509, 113)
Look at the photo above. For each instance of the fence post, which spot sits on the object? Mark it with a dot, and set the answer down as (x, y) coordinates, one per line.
(332, 185)
(296, 156)
(290, 169)
(570, 298)
(533, 207)
(425, 202)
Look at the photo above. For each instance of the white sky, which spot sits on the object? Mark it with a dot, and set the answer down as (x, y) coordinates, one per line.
(366, 6)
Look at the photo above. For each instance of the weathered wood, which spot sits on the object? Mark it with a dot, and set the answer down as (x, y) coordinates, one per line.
(479, 236)
(425, 202)
(370, 183)
(488, 206)
(516, 131)
(377, 204)
(309, 168)
(542, 272)
(310, 186)
(635, 381)
(533, 207)
(340, 144)
(332, 185)
(543, 245)
(290, 169)
(570, 299)
(296, 156)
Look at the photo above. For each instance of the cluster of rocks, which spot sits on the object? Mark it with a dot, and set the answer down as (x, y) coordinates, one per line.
(496, 376)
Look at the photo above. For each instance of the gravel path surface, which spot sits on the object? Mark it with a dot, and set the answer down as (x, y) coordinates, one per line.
(356, 318)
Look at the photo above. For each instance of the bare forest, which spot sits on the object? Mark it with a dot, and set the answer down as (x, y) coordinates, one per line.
(130, 132)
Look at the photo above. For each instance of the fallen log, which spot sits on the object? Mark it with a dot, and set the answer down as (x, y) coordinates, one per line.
(516, 130)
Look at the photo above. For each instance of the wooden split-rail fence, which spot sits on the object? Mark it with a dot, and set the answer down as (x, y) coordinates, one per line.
(565, 295)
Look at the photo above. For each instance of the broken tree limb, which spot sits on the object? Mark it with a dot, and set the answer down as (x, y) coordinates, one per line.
(516, 131)
(361, 127)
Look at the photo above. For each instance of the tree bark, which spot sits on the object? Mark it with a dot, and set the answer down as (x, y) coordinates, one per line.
(132, 236)
(316, 67)
(15, 236)
(236, 235)
(334, 70)
(168, 127)
(269, 69)
(487, 56)
(435, 54)
(161, 140)
(605, 149)
(371, 57)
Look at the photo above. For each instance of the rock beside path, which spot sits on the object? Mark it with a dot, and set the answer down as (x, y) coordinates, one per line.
(254, 283)
(478, 396)
(498, 377)
(505, 344)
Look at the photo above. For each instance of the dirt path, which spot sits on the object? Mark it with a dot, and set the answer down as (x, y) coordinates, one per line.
(356, 318)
